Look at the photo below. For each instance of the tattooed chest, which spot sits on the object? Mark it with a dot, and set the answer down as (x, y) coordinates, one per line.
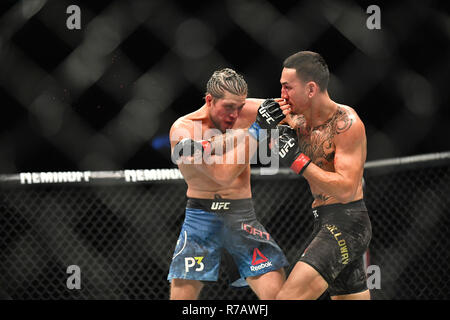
(317, 143)
(319, 147)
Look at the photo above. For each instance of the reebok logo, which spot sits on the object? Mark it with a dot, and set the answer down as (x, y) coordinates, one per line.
(258, 257)
(260, 260)
(220, 205)
(261, 266)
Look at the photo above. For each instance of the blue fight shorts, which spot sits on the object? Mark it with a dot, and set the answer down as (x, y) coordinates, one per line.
(213, 225)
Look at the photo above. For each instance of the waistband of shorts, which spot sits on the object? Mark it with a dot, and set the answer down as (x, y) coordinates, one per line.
(358, 205)
(221, 205)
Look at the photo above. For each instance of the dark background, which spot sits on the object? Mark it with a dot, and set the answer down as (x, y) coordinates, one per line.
(104, 97)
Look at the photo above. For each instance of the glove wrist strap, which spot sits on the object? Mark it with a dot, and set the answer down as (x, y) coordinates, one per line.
(300, 163)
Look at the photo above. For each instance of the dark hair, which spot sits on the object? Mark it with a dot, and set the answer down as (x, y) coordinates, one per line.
(310, 66)
(226, 80)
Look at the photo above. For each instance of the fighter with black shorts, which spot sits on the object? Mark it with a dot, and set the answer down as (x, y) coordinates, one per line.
(325, 142)
(341, 236)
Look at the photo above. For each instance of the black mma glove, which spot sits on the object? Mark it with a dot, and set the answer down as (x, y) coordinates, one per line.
(289, 151)
(188, 147)
(268, 117)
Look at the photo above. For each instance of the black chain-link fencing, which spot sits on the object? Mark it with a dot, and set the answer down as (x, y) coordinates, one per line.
(103, 97)
(121, 234)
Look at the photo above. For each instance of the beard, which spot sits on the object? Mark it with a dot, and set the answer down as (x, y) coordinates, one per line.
(217, 125)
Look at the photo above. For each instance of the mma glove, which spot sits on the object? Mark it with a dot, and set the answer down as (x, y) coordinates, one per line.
(269, 115)
(289, 151)
(188, 147)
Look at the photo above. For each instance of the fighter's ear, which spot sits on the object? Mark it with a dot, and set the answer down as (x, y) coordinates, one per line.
(208, 99)
(311, 89)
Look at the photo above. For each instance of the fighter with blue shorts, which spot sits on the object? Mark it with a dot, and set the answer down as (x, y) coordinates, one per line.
(219, 213)
(211, 226)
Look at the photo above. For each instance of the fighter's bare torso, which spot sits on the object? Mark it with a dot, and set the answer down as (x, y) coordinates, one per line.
(205, 186)
(318, 143)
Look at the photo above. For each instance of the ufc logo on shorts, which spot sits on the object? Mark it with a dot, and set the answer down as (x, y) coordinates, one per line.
(285, 149)
(190, 262)
(220, 205)
(316, 215)
(266, 115)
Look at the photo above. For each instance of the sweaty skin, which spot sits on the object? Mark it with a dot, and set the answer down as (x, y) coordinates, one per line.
(341, 135)
(226, 180)
(207, 181)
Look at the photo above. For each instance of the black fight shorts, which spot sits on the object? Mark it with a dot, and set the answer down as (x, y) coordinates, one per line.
(341, 236)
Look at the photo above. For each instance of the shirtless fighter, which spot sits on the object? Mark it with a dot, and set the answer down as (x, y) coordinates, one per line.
(219, 212)
(327, 145)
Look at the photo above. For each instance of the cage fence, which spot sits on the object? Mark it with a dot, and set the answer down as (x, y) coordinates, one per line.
(120, 229)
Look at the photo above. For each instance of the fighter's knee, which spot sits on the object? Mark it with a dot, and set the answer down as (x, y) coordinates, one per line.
(266, 286)
(302, 291)
(296, 295)
(182, 289)
(289, 291)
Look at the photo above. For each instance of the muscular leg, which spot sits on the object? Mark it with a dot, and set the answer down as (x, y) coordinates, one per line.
(267, 286)
(365, 295)
(304, 283)
(182, 289)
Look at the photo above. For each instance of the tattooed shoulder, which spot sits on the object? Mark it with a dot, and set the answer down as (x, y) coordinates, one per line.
(297, 120)
(343, 121)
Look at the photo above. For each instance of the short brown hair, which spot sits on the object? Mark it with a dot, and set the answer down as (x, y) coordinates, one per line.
(226, 80)
(310, 66)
